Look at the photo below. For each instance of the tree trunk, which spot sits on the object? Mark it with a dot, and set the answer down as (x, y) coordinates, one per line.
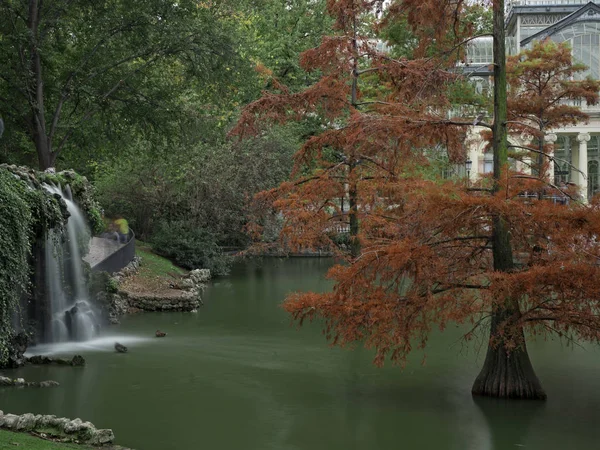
(507, 374)
(41, 139)
(353, 191)
(46, 158)
(353, 216)
(504, 374)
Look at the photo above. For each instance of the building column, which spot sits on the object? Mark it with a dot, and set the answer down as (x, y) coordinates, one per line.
(582, 164)
(551, 139)
(526, 165)
(474, 157)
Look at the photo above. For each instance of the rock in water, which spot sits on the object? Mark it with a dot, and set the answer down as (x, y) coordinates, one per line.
(120, 348)
(78, 361)
(160, 333)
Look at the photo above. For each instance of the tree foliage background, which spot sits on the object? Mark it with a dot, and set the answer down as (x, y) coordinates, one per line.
(139, 96)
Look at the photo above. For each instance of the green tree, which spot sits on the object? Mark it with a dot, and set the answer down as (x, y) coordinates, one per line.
(59, 72)
(205, 186)
(279, 31)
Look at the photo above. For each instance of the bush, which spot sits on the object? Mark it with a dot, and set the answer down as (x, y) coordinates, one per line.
(190, 247)
(208, 185)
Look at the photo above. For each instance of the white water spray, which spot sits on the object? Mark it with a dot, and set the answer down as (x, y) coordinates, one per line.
(72, 315)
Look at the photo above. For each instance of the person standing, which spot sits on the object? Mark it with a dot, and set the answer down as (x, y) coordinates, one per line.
(122, 229)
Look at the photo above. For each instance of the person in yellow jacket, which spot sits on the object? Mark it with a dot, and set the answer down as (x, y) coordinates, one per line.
(122, 229)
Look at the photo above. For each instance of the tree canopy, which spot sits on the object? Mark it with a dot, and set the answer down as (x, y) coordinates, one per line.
(66, 62)
(544, 84)
(426, 253)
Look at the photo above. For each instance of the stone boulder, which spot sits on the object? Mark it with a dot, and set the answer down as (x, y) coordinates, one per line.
(120, 348)
(16, 348)
(76, 361)
(199, 276)
(66, 430)
(26, 422)
(20, 382)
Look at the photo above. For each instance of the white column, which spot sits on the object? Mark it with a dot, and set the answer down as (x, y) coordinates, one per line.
(582, 164)
(551, 138)
(574, 174)
(474, 157)
(527, 141)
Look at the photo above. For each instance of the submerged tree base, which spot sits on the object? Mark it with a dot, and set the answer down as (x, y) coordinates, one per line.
(508, 375)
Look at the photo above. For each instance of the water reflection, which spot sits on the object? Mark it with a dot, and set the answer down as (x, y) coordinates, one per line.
(238, 376)
(509, 421)
(105, 343)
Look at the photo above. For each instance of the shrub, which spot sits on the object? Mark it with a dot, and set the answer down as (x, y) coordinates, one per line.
(190, 247)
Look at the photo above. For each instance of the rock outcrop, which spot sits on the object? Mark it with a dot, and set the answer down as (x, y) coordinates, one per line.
(177, 301)
(20, 382)
(60, 428)
(76, 361)
(106, 291)
(186, 296)
(17, 348)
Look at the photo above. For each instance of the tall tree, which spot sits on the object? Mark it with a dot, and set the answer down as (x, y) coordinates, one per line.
(504, 373)
(281, 30)
(430, 253)
(58, 71)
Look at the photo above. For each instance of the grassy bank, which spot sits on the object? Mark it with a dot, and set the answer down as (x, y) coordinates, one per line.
(156, 274)
(154, 265)
(11, 440)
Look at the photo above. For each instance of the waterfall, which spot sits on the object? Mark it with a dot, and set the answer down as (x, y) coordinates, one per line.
(72, 316)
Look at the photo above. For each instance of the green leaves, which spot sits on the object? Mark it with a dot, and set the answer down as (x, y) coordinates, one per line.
(24, 211)
(129, 62)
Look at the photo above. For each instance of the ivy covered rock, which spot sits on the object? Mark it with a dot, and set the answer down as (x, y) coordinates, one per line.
(82, 191)
(28, 211)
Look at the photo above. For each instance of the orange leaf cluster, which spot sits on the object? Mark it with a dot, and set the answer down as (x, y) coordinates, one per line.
(426, 261)
(424, 257)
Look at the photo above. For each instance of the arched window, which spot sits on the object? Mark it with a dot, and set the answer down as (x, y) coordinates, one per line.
(586, 50)
(584, 38)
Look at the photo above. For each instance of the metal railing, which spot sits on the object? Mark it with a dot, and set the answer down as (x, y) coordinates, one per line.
(547, 2)
(120, 258)
(557, 199)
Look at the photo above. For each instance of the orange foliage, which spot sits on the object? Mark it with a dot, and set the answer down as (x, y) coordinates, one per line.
(544, 81)
(426, 261)
(425, 256)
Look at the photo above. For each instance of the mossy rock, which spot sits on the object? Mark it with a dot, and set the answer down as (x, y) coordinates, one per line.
(28, 212)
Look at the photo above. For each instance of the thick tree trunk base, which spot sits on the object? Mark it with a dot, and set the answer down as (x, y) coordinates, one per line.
(508, 375)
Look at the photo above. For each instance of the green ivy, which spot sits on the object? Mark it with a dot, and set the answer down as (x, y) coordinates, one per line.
(83, 193)
(26, 210)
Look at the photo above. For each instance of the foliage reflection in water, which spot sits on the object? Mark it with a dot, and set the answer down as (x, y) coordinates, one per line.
(237, 375)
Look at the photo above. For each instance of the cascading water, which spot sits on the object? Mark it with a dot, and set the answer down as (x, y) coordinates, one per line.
(72, 315)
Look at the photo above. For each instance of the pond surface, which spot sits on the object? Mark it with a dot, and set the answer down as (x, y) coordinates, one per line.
(236, 375)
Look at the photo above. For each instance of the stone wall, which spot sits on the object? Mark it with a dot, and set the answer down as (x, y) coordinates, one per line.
(20, 382)
(180, 301)
(60, 428)
(187, 297)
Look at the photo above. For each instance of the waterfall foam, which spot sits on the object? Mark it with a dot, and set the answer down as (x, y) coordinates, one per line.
(72, 314)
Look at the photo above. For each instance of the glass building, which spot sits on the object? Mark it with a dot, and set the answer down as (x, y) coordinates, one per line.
(578, 23)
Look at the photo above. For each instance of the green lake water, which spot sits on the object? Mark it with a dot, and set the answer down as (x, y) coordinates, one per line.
(236, 375)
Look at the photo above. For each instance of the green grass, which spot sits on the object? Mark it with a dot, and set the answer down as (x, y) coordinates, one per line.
(153, 265)
(12, 441)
